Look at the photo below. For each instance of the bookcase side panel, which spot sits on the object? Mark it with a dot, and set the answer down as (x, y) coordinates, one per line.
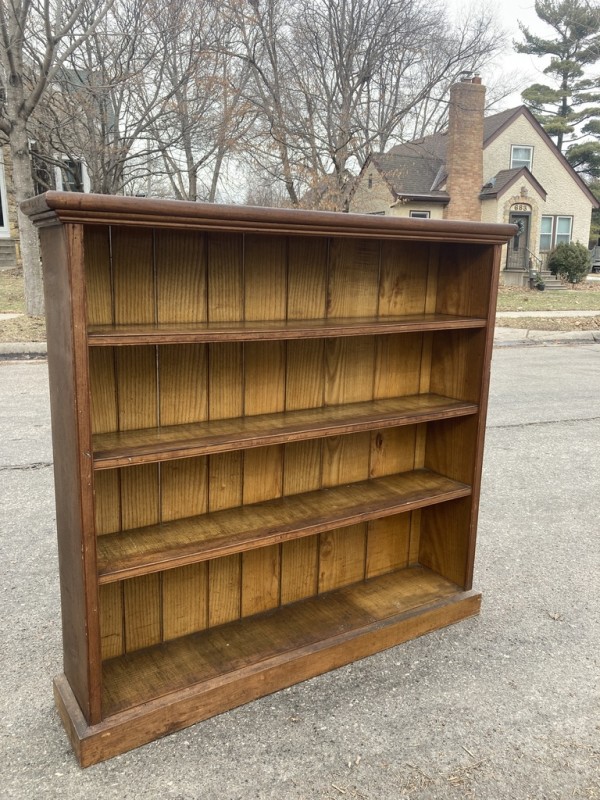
(467, 277)
(62, 254)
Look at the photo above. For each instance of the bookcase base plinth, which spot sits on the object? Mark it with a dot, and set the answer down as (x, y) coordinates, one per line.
(136, 726)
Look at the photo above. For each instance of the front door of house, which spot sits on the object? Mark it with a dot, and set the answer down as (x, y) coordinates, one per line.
(518, 253)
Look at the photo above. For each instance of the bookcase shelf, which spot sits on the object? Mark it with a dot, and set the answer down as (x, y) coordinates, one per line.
(247, 331)
(268, 430)
(124, 448)
(235, 530)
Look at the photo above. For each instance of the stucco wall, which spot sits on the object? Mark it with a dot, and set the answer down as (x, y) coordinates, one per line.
(436, 210)
(564, 196)
(377, 198)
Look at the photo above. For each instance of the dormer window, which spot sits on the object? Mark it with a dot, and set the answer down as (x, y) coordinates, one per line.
(521, 156)
(370, 183)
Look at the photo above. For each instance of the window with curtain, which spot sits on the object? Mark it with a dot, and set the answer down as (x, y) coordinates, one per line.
(521, 156)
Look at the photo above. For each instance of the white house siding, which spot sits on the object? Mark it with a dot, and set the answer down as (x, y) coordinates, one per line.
(565, 196)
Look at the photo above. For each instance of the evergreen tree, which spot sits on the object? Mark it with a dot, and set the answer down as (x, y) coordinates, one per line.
(570, 101)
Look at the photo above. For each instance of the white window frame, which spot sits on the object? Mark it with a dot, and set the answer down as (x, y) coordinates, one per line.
(514, 147)
(555, 236)
(59, 175)
(549, 234)
(419, 214)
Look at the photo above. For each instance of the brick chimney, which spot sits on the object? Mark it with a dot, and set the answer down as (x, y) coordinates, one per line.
(464, 156)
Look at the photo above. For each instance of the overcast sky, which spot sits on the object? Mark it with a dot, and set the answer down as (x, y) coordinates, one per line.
(509, 13)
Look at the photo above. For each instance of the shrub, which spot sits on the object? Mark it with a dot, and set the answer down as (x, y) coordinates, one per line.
(570, 261)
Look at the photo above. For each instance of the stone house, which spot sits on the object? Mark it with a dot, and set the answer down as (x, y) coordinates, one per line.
(500, 168)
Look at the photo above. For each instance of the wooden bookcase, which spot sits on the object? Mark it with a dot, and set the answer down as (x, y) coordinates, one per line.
(268, 430)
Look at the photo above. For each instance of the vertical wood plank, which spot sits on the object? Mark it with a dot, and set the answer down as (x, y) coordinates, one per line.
(349, 365)
(265, 288)
(226, 380)
(414, 544)
(402, 288)
(142, 612)
(346, 458)
(353, 278)
(139, 496)
(224, 574)
(260, 579)
(133, 270)
(183, 383)
(107, 501)
(225, 481)
(184, 605)
(184, 488)
(181, 276)
(225, 277)
(300, 558)
(265, 281)
(263, 473)
(388, 542)
(136, 387)
(111, 620)
(103, 390)
(264, 377)
(299, 569)
(225, 589)
(307, 278)
(342, 557)
(398, 365)
(99, 298)
(305, 380)
(392, 450)
(302, 470)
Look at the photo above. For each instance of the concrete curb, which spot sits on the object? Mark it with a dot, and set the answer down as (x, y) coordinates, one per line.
(22, 350)
(520, 337)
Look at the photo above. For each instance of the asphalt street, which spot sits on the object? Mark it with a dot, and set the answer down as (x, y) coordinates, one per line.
(503, 706)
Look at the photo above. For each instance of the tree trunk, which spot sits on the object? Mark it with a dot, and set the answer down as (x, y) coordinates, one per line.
(30, 247)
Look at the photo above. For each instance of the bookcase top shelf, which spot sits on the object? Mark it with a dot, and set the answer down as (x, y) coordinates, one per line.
(75, 207)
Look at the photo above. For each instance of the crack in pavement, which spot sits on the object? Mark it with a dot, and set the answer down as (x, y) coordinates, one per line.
(34, 465)
(543, 422)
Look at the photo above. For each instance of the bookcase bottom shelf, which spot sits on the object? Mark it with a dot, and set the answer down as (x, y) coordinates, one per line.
(167, 687)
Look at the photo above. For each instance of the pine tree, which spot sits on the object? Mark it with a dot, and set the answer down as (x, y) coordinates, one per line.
(571, 100)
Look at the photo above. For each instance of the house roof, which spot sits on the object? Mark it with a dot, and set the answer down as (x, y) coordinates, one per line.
(431, 150)
(504, 179)
(414, 177)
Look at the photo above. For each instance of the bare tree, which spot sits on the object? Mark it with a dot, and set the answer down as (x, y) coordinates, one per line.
(208, 114)
(115, 91)
(334, 80)
(37, 37)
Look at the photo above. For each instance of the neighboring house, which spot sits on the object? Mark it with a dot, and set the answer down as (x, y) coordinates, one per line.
(72, 177)
(501, 168)
(9, 232)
